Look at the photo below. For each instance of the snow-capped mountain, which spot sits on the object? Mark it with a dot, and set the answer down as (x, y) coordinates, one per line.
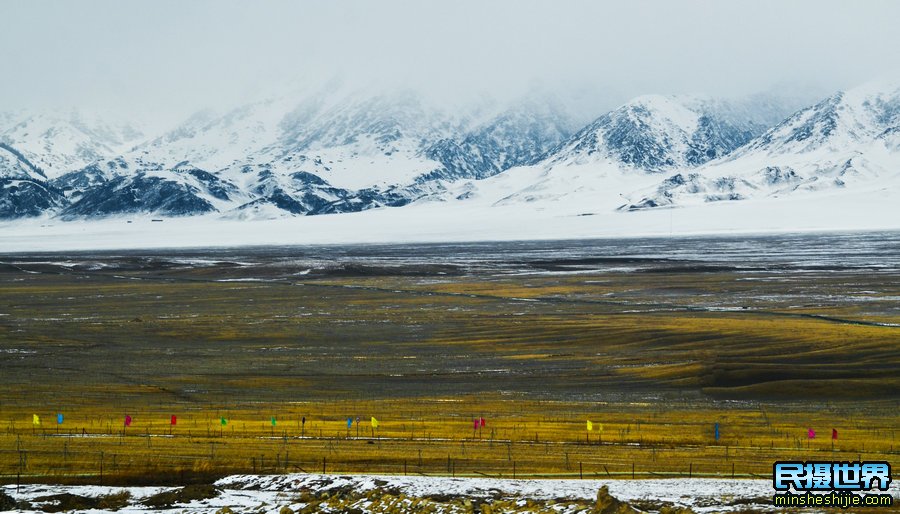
(340, 151)
(124, 188)
(253, 156)
(627, 149)
(656, 133)
(518, 136)
(59, 142)
(24, 190)
(846, 139)
(327, 153)
(360, 141)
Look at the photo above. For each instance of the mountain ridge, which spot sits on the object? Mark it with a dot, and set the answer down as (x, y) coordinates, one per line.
(325, 154)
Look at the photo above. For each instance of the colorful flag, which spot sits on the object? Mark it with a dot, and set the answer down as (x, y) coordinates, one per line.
(811, 434)
(483, 423)
(717, 431)
(349, 422)
(273, 421)
(59, 418)
(374, 422)
(223, 421)
(590, 426)
(127, 420)
(35, 419)
(477, 423)
(174, 420)
(834, 433)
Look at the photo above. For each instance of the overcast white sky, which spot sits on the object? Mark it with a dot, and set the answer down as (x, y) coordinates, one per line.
(172, 57)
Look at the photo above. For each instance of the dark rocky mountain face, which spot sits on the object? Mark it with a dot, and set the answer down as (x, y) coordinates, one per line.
(515, 138)
(140, 193)
(658, 134)
(24, 190)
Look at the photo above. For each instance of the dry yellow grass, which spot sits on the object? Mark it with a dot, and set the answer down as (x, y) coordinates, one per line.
(641, 354)
(435, 436)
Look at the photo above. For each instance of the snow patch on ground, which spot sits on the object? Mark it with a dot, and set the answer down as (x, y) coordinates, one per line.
(269, 493)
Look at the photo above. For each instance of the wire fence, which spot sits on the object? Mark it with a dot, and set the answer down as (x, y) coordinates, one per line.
(99, 458)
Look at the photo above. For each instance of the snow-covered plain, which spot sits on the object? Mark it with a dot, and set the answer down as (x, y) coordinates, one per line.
(568, 217)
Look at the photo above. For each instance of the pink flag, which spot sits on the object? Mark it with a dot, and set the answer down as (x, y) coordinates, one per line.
(174, 420)
(482, 422)
(477, 421)
(811, 434)
(127, 421)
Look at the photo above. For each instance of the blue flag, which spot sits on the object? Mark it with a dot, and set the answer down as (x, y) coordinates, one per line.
(717, 431)
(59, 418)
(349, 422)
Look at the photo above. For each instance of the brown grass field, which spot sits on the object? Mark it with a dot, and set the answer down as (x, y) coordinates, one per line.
(656, 356)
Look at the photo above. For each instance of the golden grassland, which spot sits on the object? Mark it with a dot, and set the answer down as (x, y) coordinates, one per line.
(436, 436)
(655, 358)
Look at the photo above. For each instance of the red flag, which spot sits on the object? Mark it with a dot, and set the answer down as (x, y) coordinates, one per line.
(482, 422)
(811, 434)
(174, 420)
(127, 421)
(834, 433)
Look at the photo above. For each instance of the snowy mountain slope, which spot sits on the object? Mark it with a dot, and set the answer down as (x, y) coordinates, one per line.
(627, 149)
(346, 151)
(514, 136)
(847, 140)
(518, 136)
(244, 146)
(385, 119)
(275, 195)
(655, 133)
(283, 153)
(370, 143)
(215, 141)
(59, 142)
(572, 189)
(24, 190)
(837, 123)
(327, 153)
(120, 186)
(16, 166)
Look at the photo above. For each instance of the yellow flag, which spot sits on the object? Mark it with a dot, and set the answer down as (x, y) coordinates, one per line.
(599, 427)
(590, 426)
(35, 419)
(374, 422)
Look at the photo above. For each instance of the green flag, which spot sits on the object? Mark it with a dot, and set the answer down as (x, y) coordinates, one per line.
(273, 421)
(223, 421)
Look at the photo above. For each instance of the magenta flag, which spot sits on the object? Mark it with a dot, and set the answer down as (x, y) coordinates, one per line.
(127, 421)
(476, 423)
(811, 434)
